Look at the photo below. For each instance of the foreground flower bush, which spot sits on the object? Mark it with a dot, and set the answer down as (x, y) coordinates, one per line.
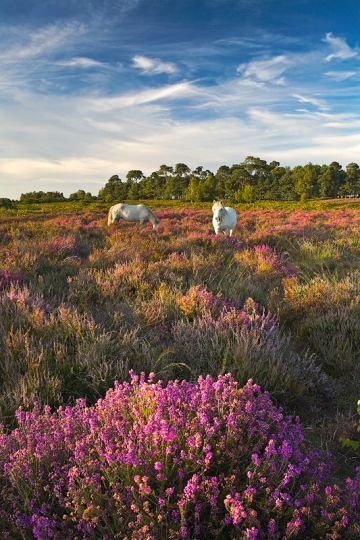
(183, 460)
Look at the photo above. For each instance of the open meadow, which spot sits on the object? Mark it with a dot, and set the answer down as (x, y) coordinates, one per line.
(82, 304)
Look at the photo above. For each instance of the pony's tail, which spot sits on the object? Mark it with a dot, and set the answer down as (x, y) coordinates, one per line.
(110, 217)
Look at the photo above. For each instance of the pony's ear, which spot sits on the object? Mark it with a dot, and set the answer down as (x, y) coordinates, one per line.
(214, 201)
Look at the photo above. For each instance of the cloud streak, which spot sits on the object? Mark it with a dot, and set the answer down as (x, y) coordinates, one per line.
(340, 75)
(162, 93)
(267, 70)
(312, 101)
(82, 63)
(341, 50)
(41, 42)
(151, 66)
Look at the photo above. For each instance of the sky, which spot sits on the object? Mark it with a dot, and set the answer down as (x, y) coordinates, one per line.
(92, 88)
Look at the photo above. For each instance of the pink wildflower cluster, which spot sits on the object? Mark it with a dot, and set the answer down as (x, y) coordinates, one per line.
(184, 460)
(268, 256)
(8, 278)
(22, 297)
(63, 245)
(222, 313)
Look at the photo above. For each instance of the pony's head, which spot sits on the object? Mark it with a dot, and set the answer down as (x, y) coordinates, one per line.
(219, 211)
(154, 220)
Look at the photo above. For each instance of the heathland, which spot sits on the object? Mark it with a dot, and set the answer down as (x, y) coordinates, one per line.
(82, 304)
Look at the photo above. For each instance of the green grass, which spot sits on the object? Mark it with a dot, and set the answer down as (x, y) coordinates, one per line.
(73, 206)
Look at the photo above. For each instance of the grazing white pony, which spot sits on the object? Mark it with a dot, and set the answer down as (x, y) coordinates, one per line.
(224, 218)
(132, 212)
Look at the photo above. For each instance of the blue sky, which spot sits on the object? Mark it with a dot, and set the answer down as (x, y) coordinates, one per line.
(92, 88)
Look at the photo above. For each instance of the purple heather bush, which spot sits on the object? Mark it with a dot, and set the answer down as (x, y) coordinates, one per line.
(182, 460)
(8, 278)
(219, 333)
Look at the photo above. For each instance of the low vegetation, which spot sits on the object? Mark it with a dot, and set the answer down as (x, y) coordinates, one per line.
(82, 304)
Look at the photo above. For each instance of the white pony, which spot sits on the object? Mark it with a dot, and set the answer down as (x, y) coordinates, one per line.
(224, 218)
(132, 212)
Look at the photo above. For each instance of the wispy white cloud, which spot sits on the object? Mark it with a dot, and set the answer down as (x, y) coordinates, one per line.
(341, 50)
(340, 75)
(167, 92)
(82, 62)
(29, 57)
(267, 70)
(24, 45)
(312, 101)
(153, 66)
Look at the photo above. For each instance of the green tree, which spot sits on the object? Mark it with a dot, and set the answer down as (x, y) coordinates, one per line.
(285, 186)
(114, 190)
(192, 192)
(173, 188)
(182, 170)
(306, 180)
(331, 179)
(165, 170)
(5, 203)
(42, 197)
(352, 182)
(135, 175)
(134, 191)
(207, 188)
(79, 195)
(248, 193)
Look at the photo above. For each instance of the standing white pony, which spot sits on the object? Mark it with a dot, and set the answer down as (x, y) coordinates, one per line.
(132, 212)
(224, 218)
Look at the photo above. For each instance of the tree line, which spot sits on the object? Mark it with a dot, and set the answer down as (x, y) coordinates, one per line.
(251, 180)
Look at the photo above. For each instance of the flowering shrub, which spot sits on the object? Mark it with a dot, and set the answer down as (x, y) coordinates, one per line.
(266, 262)
(181, 460)
(246, 341)
(222, 312)
(9, 278)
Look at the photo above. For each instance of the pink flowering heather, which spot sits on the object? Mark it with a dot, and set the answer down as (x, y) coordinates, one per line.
(268, 257)
(8, 278)
(223, 313)
(63, 245)
(181, 460)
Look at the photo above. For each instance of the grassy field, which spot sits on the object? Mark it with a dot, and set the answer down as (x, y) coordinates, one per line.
(71, 206)
(82, 304)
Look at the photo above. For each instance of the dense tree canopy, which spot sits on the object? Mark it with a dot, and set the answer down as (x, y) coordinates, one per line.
(80, 195)
(248, 181)
(41, 197)
(251, 180)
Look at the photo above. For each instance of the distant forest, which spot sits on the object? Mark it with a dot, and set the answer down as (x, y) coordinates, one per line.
(252, 180)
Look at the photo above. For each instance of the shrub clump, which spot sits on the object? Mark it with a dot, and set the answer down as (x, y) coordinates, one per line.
(181, 460)
(8, 278)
